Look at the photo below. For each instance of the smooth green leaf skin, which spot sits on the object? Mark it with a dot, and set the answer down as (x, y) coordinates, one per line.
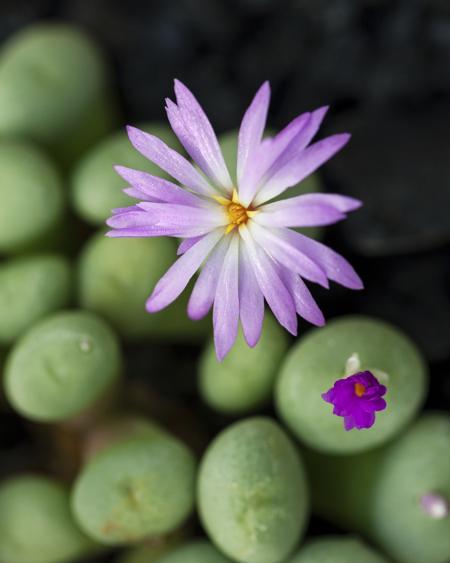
(52, 80)
(311, 184)
(36, 525)
(140, 486)
(31, 194)
(378, 493)
(337, 549)
(30, 288)
(252, 494)
(96, 188)
(115, 279)
(244, 380)
(61, 366)
(199, 551)
(418, 463)
(318, 360)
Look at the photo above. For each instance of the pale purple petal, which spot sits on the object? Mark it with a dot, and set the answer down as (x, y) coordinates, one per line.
(305, 304)
(159, 231)
(177, 277)
(196, 133)
(127, 209)
(278, 246)
(251, 300)
(269, 149)
(142, 232)
(186, 244)
(303, 215)
(297, 144)
(136, 193)
(149, 219)
(202, 296)
(250, 135)
(275, 292)
(339, 202)
(170, 161)
(282, 140)
(188, 140)
(301, 166)
(132, 216)
(157, 189)
(182, 216)
(226, 302)
(333, 264)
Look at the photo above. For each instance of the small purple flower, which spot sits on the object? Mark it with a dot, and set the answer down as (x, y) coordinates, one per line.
(241, 240)
(357, 398)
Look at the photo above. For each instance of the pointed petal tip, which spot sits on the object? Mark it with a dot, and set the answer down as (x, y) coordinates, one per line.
(122, 171)
(134, 134)
(180, 88)
(170, 104)
(353, 203)
(252, 340)
(115, 233)
(264, 90)
(336, 141)
(291, 327)
(318, 321)
(194, 315)
(343, 138)
(150, 306)
(322, 111)
(221, 354)
(222, 348)
(353, 282)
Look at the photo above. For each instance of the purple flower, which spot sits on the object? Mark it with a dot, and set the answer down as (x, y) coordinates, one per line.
(357, 398)
(236, 234)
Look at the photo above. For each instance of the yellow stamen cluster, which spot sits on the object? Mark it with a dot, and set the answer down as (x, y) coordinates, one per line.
(360, 389)
(237, 213)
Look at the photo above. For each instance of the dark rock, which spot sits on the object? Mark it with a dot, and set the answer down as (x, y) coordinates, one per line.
(15, 14)
(328, 17)
(398, 166)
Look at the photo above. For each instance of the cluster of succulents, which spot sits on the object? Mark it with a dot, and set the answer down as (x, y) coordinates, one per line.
(123, 479)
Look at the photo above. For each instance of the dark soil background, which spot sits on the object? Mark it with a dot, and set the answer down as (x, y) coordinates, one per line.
(383, 66)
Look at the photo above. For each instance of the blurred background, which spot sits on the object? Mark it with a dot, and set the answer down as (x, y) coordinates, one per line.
(382, 66)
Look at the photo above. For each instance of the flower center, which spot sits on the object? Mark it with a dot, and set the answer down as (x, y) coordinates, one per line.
(237, 213)
(360, 389)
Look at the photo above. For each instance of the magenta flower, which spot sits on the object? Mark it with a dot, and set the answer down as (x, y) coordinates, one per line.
(236, 234)
(357, 398)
